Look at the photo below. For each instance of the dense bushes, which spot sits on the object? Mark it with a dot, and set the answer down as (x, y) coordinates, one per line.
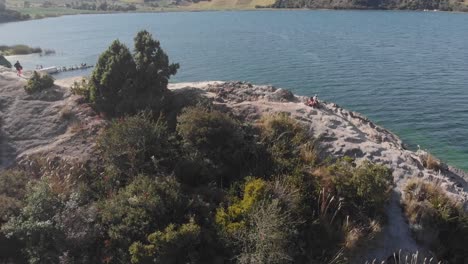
(437, 221)
(38, 83)
(219, 139)
(53, 226)
(184, 195)
(172, 245)
(136, 144)
(145, 205)
(12, 191)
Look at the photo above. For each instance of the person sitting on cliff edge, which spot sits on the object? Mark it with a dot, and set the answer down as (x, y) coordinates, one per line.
(312, 102)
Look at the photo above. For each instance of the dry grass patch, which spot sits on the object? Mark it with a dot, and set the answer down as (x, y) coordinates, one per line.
(66, 113)
(76, 126)
(437, 221)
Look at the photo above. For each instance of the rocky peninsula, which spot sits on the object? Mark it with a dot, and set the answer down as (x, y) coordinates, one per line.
(55, 123)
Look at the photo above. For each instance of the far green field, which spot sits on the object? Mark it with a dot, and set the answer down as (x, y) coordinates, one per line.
(35, 9)
(36, 12)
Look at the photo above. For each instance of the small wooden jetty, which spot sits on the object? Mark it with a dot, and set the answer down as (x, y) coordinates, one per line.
(55, 69)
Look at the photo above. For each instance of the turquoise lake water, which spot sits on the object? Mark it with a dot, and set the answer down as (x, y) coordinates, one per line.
(407, 71)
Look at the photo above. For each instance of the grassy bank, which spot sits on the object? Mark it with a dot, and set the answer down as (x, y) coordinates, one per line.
(18, 50)
(42, 12)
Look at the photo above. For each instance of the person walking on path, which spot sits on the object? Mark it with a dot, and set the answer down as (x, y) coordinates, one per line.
(18, 67)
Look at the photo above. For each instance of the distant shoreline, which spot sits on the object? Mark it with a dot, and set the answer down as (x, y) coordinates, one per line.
(184, 9)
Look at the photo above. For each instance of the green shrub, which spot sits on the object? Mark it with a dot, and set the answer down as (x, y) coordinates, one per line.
(367, 187)
(136, 144)
(268, 237)
(12, 191)
(38, 83)
(52, 225)
(234, 216)
(437, 221)
(35, 226)
(81, 88)
(172, 245)
(208, 130)
(143, 206)
(287, 141)
(215, 136)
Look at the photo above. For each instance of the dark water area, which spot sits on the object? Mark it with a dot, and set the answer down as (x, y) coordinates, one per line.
(407, 71)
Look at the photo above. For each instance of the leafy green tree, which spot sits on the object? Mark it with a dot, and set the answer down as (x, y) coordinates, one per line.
(126, 84)
(173, 245)
(112, 79)
(152, 65)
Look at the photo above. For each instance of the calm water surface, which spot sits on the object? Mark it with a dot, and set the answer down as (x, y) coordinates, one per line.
(408, 71)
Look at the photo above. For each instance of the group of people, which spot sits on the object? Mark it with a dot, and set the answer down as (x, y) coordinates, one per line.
(313, 102)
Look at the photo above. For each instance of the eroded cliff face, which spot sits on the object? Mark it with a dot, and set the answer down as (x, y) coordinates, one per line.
(343, 133)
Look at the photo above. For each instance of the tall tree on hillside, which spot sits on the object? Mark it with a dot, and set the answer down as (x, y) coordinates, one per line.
(112, 79)
(152, 62)
(125, 84)
(153, 69)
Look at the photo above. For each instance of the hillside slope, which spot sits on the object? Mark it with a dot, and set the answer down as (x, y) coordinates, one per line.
(52, 122)
(229, 4)
(444, 5)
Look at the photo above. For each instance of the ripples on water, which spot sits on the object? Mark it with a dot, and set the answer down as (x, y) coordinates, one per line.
(408, 71)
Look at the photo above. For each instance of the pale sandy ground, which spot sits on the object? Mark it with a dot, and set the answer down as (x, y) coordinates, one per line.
(52, 122)
(55, 123)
